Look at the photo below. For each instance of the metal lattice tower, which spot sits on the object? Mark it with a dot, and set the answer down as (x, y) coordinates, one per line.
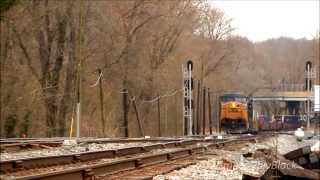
(310, 76)
(187, 97)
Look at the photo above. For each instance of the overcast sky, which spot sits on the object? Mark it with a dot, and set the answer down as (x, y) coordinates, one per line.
(259, 19)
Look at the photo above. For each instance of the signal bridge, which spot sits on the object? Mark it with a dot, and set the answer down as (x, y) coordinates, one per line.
(284, 96)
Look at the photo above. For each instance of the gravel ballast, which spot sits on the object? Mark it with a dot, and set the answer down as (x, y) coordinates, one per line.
(68, 150)
(231, 164)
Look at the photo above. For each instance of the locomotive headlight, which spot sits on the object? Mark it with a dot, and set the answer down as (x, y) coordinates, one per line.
(233, 105)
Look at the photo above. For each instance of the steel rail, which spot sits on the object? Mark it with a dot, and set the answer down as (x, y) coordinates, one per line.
(116, 166)
(27, 145)
(131, 163)
(16, 145)
(36, 162)
(89, 140)
(45, 161)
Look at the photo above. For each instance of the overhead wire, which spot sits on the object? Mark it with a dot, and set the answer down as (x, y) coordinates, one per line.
(161, 96)
(97, 81)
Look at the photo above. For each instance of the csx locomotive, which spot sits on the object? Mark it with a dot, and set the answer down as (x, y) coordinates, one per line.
(234, 113)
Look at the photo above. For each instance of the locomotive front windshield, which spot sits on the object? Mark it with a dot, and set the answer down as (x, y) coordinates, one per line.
(242, 99)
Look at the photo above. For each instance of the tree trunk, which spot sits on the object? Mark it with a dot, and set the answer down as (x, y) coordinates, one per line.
(66, 101)
(51, 111)
(51, 78)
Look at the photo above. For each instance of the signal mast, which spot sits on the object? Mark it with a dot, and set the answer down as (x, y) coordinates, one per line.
(187, 97)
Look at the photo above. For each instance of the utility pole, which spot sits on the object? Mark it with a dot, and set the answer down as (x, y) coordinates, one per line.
(194, 118)
(198, 107)
(1, 63)
(159, 116)
(125, 112)
(101, 101)
(218, 106)
(79, 72)
(204, 112)
(210, 111)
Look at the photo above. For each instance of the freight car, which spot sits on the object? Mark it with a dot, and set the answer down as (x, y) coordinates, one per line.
(279, 122)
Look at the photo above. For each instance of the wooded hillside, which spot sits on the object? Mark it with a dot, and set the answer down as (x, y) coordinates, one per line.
(54, 53)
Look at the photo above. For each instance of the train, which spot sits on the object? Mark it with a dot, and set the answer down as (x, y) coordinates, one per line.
(234, 113)
(235, 116)
(279, 122)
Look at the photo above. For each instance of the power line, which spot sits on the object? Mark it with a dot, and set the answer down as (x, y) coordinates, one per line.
(161, 96)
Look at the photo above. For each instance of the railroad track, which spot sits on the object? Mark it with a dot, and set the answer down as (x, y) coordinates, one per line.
(31, 163)
(91, 164)
(29, 140)
(89, 140)
(18, 144)
(151, 171)
(13, 147)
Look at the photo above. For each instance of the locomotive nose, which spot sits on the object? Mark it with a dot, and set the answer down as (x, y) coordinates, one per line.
(233, 105)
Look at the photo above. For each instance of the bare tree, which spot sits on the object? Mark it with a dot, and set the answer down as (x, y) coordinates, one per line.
(51, 28)
(216, 27)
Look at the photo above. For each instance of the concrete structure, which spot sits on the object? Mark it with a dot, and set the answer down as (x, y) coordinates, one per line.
(283, 96)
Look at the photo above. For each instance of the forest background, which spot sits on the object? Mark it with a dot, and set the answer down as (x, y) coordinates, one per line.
(51, 48)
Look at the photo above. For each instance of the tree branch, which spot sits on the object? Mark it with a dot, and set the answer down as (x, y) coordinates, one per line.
(26, 54)
(142, 24)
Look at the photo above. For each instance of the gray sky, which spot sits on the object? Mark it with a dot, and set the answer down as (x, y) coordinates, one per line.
(260, 19)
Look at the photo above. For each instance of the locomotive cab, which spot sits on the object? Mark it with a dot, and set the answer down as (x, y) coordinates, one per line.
(233, 113)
